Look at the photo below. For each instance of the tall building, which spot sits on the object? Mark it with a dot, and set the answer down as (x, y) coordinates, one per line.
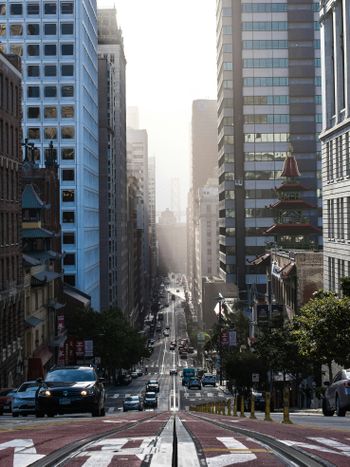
(171, 237)
(11, 272)
(137, 163)
(58, 45)
(175, 197)
(132, 117)
(269, 100)
(113, 172)
(203, 162)
(335, 138)
(152, 218)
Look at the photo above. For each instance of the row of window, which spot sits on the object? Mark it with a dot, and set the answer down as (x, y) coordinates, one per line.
(274, 7)
(10, 267)
(51, 133)
(9, 187)
(9, 96)
(33, 29)
(337, 157)
(49, 8)
(338, 217)
(9, 228)
(266, 119)
(265, 63)
(9, 138)
(66, 111)
(334, 275)
(266, 100)
(33, 71)
(67, 154)
(49, 50)
(50, 91)
(266, 137)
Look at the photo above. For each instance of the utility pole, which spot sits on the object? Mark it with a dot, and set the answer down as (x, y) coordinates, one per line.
(220, 299)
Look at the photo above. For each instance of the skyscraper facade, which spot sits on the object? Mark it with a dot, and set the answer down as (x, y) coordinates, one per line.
(335, 137)
(269, 105)
(113, 174)
(152, 218)
(58, 45)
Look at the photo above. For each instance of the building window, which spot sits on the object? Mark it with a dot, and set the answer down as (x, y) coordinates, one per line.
(33, 71)
(67, 154)
(33, 9)
(67, 132)
(33, 50)
(67, 91)
(68, 196)
(50, 29)
(50, 152)
(67, 8)
(50, 49)
(33, 112)
(33, 29)
(67, 29)
(17, 49)
(68, 175)
(50, 91)
(69, 259)
(16, 9)
(50, 70)
(50, 133)
(67, 49)
(69, 279)
(69, 238)
(33, 133)
(16, 30)
(67, 111)
(2, 29)
(33, 91)
(67, 70)
(68, 217)
(50, 8)
(50, 112)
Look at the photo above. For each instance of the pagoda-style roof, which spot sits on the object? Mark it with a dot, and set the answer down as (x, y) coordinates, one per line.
(31, 199)
(288, 271)
(39, 232)
(291, 204)
(260, 259)
(292, 229)
(290, 168)
(291, 187)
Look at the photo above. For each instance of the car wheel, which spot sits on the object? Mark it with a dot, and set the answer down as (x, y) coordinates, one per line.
(326, 410)
(339, 411)
(96, 412)
(15, 414)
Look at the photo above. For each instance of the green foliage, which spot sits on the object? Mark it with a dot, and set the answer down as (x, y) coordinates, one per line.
(345, 285)
(322, 329)
(239, 367)
(117, 343)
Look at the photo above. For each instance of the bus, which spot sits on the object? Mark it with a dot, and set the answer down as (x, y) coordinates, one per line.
(187, 374)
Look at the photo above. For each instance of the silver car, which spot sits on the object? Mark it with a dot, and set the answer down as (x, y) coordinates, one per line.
(23, 400)
(337, 396)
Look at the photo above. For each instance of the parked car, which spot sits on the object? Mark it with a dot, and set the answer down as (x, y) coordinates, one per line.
(173, 371)
(194, 383)
(71, 389)
(152, 386)
(6, 400)
(208, 380)
(139, 372)
(134, 374)
(150, 400)
(23, 400)
(337, 396)
(125, 379)
(132, 403)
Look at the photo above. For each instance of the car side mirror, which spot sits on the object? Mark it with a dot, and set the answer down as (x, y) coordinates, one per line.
(326, 383)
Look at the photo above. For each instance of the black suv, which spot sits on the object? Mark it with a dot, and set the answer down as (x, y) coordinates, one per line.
(71, 389)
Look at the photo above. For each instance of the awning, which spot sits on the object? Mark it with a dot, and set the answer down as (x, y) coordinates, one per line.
(56, 305)
(84, 299)
(59, 340)
(30, 260)
(44, 354)
(288, 271)
(33, 321)
(37, 233)
(46, 276)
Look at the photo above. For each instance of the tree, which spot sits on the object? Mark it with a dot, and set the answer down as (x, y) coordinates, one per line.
(239, 367)
(322, 330)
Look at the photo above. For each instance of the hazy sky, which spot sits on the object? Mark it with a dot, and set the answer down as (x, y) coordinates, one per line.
(170, 50)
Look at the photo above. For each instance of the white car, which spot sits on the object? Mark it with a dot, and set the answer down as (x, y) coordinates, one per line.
(23, 400)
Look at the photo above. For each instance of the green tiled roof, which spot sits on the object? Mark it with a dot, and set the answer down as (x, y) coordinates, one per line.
(30, 198)
(37, 233)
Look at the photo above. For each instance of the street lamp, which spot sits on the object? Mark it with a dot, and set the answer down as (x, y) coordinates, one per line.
(220, 299)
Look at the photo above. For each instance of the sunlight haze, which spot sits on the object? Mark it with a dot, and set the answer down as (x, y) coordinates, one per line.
(171, 61)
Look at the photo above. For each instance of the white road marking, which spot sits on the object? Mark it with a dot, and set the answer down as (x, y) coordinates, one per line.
(24, 452)
(186, 449)
(314, 447)
(332, 443)
(163, 449)
(229, 459)
(115, 396)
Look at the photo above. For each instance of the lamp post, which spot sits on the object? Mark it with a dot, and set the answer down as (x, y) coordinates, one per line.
(220, 300)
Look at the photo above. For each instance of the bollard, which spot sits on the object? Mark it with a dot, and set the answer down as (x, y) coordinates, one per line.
(286, 418)
(252, 407)
(235, 406)
(242, 406)
(267, 407)
(229, 407)
(216, 408)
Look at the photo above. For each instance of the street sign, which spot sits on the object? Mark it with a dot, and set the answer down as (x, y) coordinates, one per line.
(255, 377)
(232, 338)
(88, 348)
(200, 337)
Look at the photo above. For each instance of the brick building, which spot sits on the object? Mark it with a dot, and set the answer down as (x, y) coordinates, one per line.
(11, 277)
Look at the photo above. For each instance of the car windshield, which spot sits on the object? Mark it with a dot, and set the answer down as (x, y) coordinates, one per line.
(132, 399)
(28, 387)
(71, 375)
(150, 395)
